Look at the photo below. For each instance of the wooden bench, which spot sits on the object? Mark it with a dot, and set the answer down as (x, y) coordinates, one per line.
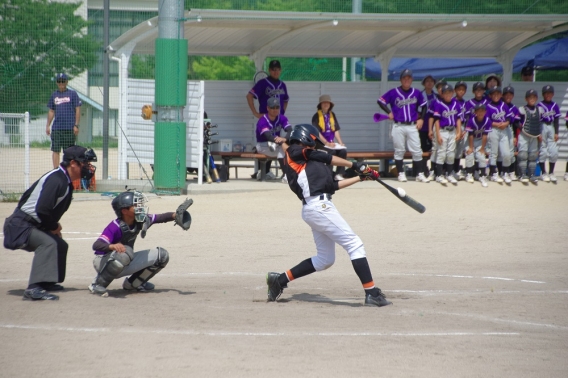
(262, 159)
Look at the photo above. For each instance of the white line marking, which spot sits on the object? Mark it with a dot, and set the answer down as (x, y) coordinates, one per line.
(271, 334)
(461, 276)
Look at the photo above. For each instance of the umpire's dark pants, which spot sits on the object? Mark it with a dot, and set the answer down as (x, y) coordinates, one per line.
(50, 257)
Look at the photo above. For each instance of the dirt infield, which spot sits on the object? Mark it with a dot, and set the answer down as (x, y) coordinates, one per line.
(478, 282)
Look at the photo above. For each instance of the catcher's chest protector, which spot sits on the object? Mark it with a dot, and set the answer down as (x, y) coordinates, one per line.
(129, 235)
(532, 121)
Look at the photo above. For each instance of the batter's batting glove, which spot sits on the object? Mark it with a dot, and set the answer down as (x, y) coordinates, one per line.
(359, 167)
(183, 218)
(369, 174)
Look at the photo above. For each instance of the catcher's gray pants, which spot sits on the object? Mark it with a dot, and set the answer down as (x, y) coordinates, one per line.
(403, 135)
(476, 156)
(500, 146)
(528, 150)
(50, 257)
(447, 151)
(142, 259)
(548, 148)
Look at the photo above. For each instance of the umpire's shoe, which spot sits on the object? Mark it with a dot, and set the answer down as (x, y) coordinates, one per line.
(37, 293)
(274, 288)
(378, 301)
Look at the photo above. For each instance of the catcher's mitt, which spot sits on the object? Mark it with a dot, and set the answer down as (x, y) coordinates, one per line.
(183, 218)
(147, 112)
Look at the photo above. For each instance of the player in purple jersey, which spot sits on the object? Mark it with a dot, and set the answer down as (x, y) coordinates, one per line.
(447, 122)
(566, 171)
(508, 95)
(499, 113)
(268, 139)
(431, 130)
(460, 89)
(425, 142)
(405, 102)
(478, 127)
(478, 91)
(114, 249)
(65, 112)
(266, 88)
(550, 129)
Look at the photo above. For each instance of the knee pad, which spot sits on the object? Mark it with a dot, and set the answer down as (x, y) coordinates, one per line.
(112, 268)
(533, 156)
(163, 257)
(523, 155)
(142, 276)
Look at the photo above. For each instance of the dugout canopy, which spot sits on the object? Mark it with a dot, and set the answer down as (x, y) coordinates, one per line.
(260, 34)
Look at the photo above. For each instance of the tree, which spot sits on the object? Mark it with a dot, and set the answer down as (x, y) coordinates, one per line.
(38, 39)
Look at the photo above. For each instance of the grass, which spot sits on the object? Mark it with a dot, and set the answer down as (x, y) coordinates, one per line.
(97, 142)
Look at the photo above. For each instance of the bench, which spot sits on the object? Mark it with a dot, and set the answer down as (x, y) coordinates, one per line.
(226, 157)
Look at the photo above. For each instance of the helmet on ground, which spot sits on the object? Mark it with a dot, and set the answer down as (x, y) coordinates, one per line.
(305, 133)
(126, 199)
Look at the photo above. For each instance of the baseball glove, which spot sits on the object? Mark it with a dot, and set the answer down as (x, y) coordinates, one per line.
(183, 218)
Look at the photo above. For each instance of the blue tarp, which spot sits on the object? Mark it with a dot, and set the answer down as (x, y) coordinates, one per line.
(548, 55)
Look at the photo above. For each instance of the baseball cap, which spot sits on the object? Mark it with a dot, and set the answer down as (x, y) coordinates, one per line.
(480, 105)
(405, 72)
(441, 82)
(447, 88)
(531, 92)
(461, 84)
(273, 102)
(478, 85)
(79, 153)
(527, 71)
(428, 77)
(274, 64)
(509, 89)
(547, 88)
(61, 76)
(495, 89)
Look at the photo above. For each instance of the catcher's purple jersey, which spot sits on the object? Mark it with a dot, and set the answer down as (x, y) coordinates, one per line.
(498, 112)
(478, 128)
(551, 111)
(265, 124)
(267, 88)
(447, 113)
(112, 233)
(404, 104)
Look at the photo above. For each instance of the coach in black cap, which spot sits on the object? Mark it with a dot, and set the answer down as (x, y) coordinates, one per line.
(34, 225)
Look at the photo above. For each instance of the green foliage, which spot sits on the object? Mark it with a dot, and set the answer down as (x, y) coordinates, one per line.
(215, 68)
(39, 38)
(143, 67)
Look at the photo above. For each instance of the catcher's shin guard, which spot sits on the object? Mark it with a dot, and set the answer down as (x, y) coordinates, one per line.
(142, 276)
(114, 266)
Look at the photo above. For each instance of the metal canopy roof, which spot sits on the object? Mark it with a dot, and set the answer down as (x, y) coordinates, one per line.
(260, 34)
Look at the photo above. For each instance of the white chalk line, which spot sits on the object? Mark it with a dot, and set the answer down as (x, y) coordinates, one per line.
(462, 276)
(257, 334)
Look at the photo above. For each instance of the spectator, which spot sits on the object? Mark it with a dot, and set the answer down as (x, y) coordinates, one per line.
(65, 112)
(527, 74)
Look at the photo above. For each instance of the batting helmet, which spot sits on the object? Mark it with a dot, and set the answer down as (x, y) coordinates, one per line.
(126, 199)
(305, 133)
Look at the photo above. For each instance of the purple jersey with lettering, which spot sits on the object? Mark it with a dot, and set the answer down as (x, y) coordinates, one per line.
(478, 128)
(267, 88)
(112, 234)
(470, 105)
(514, 111)
(461, 103)
(404, 104)
(430, 98)
(447, 113)
(64, 104)
(265, 124)
(551, 111)
(498, 112)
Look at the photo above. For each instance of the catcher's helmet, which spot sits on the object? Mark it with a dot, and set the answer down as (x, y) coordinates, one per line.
(305, 133)
(126, 199)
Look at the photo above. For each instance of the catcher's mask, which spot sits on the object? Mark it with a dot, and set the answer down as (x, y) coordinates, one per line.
(126, 199)
(305, 134)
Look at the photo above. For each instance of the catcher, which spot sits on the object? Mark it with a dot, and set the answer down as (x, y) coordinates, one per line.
(114, 249)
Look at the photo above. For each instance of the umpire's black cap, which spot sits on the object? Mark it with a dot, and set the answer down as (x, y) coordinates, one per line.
(461, 84)
(477, 86)
(531, 92)
(405, 72)
(509, 89)
(547, 88)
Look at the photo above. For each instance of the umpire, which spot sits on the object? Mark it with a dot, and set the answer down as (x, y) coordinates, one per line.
(34, 225)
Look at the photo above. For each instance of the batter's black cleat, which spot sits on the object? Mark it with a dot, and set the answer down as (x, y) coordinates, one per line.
(51, 286)
(378, 301)
(274, 288)
(37, 294)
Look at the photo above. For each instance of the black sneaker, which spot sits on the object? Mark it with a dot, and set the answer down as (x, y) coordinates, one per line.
(378, 301)
(37, 293)
(274, 288)
(51, 286)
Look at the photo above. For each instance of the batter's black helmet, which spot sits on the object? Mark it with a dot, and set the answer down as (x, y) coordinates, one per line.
(305, 133)
(126, 199)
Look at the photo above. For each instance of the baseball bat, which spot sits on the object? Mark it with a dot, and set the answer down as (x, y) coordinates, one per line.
(401, 195)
